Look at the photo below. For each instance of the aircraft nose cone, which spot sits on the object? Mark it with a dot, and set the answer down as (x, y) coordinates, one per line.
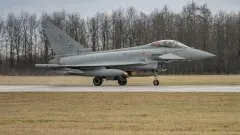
(200, 55)
(212, 55)
(194, 54)
(206, 55)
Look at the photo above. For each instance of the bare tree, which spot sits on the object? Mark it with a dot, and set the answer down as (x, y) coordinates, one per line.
(219, 32)
(1, 27)
(93, 32)
(117, 28)
(238, 41)
(32, 38)
(44, 49)
(59, 19)
(73, 25)
(1, 40)
(10, 24)
(76, 28)
(25, 27)
(131, 20)
(104, 30)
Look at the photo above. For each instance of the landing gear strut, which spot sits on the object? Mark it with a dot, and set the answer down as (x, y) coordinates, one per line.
(156, 81)
(97, 81)
(122, 81)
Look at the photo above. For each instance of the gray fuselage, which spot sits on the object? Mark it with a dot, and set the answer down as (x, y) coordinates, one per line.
(142, 54)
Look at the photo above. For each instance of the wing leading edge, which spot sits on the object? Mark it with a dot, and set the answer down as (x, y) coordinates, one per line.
(106, 64)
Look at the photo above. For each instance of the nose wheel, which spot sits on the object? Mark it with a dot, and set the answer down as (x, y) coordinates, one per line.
(156, 81)
(97, 81)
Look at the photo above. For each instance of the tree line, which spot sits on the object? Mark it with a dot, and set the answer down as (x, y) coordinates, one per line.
(24, 43)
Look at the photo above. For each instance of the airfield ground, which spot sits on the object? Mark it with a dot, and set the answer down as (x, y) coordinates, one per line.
(147, 113)
(120, 113)
(165, 80)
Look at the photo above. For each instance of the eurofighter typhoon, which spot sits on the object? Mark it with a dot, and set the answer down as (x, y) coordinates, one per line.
(145, 60)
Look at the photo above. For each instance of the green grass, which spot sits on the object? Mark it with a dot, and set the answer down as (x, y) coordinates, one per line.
(120, 113)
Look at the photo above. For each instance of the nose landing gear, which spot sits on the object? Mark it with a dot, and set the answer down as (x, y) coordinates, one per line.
(156, 81)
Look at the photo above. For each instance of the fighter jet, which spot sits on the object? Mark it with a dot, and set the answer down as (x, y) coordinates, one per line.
(119, 64)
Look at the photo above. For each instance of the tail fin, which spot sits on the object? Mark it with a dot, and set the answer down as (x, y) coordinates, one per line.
(60, 42)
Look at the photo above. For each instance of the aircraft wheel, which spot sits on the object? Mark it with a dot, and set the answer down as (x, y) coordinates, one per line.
(122, 81)
(156, 83)
(97, 81)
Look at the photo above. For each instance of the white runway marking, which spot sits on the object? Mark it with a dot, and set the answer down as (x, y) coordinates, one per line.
(63, 88)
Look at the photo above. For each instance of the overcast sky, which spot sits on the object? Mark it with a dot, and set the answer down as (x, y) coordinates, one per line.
(90, 7)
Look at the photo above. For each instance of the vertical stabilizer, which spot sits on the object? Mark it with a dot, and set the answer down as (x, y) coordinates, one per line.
(60, 42)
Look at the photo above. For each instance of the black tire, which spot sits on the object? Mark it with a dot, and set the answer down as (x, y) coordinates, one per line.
(97, 81)
(122, 81)
(156, 83)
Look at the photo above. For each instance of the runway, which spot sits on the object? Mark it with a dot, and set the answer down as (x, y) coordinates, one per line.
(65, 88)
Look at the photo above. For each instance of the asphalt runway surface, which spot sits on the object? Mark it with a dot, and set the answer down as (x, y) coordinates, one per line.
(76, 88)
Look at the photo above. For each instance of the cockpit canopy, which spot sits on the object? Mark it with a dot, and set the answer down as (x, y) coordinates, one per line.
(169, 44)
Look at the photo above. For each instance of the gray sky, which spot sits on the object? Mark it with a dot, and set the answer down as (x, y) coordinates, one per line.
(90, 7)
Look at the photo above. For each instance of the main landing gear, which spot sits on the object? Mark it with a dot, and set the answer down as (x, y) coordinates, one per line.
(97, 81)
(156, 81)
(122, 81)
